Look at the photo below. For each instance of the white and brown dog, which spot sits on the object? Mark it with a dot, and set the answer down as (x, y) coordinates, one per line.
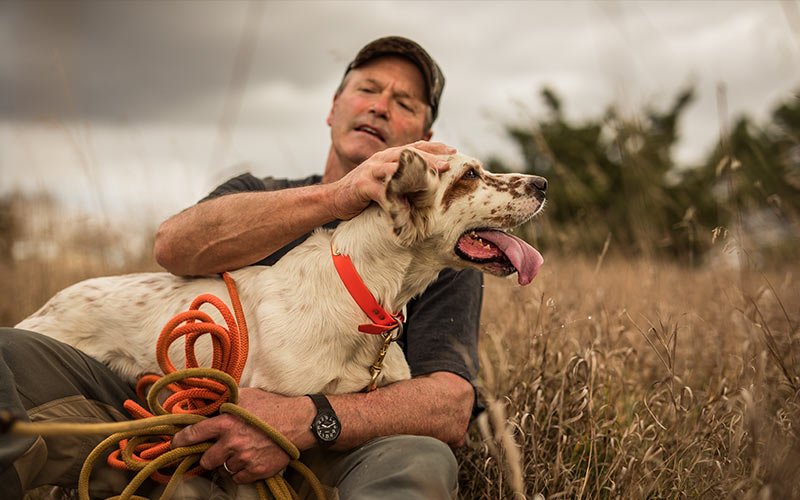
(302, 321)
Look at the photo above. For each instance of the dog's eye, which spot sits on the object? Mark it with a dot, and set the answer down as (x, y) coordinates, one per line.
(471, 174)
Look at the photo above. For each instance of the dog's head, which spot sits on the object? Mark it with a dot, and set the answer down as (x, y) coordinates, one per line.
(462, 216)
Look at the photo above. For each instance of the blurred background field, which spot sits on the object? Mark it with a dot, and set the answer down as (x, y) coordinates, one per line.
(656, 356)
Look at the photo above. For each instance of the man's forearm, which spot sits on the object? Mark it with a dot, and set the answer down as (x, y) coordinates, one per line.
(239, 229)
(437, 405)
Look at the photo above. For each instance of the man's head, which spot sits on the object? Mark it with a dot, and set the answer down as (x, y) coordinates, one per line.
(397, 46)
(389, 96)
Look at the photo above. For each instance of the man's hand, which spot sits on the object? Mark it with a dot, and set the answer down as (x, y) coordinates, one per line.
(367, 182)
(248, 452)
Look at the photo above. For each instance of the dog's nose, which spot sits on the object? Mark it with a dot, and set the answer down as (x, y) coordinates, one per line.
(540, 183)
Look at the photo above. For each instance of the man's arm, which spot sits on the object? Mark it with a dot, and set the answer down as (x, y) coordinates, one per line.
(438, 405)
(239, 229)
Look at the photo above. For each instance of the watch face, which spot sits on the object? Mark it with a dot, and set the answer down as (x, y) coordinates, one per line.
(327, 427)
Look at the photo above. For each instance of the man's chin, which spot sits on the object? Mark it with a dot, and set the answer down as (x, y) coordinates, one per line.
(360, 152)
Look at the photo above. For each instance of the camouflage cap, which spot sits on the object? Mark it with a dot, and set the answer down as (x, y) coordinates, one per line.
(403, 47)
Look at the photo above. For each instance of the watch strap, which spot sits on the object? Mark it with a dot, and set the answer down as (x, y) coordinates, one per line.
(321, 402)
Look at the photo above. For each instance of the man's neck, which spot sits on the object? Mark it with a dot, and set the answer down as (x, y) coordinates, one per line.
(335, 167)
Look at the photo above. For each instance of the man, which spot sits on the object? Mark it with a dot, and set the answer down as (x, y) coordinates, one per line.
(388, 98)
(393, 442)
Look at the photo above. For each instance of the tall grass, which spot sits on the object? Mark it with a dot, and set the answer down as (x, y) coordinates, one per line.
(47, 249)
(605, 378)
(638, 380)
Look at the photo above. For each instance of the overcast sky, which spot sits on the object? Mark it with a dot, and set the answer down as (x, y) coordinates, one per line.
(140, 108)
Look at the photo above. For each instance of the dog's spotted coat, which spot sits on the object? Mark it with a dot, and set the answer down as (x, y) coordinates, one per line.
(302, 322)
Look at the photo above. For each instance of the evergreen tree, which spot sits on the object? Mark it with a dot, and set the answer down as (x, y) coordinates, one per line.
(613, 180)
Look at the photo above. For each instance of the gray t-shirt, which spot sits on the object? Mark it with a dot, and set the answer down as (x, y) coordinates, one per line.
(441, 330)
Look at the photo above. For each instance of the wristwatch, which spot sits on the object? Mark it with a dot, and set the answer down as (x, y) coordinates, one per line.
(326, 426)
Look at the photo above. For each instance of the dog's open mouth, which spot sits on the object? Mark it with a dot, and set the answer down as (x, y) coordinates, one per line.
(500, 253)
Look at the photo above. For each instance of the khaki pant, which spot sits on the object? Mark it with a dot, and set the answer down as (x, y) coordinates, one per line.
(388, 468)
(42, 379)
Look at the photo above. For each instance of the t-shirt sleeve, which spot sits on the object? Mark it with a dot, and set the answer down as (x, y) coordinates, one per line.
(246, 183)
(443, 324)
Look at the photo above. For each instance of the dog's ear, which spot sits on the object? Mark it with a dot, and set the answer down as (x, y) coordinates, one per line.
(410, 195)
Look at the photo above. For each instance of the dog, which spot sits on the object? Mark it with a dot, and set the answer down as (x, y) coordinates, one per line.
(303, 323)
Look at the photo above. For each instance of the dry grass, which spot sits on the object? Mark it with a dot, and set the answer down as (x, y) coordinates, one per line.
(48, 249)
(628, 379)
(640, 380)
(27, 284)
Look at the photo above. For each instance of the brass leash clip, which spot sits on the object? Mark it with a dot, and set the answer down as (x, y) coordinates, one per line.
(376, 368)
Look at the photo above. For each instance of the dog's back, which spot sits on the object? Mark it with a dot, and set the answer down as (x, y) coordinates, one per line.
(117, 319)
(302, 323)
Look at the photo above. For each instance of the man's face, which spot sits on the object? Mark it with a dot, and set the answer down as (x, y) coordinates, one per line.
(382, 104)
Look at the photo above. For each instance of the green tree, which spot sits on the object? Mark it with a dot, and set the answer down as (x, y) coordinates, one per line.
(754, 174)
(608, 177)
(613, 180)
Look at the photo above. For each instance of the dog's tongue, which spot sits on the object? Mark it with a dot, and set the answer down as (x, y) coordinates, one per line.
(525, 259)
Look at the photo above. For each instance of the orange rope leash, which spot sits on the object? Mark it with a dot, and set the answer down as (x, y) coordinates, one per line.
(198, 396)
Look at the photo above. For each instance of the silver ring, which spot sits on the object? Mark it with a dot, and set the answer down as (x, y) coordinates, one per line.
(225, 466)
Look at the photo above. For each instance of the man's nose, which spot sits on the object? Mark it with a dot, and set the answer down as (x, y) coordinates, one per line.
(381, 105)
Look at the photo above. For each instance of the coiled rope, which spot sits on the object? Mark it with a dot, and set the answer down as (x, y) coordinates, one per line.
(197, 393)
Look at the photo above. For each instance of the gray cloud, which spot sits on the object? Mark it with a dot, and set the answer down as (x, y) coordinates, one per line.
(167, 60)
(115, 60)
(138, 61)
(145, 83)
